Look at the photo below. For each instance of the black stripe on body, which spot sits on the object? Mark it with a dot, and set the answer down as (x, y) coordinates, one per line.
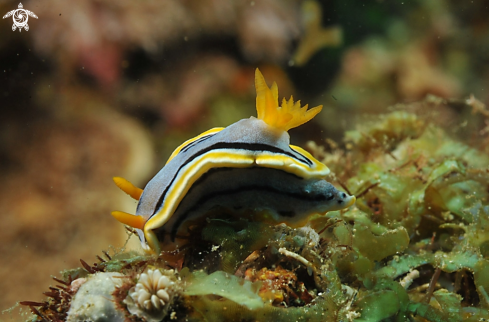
(263, 188)
(191, 144)
(300, 155)
(225, 145)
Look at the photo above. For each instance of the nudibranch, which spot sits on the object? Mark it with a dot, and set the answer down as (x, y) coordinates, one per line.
(247, 166)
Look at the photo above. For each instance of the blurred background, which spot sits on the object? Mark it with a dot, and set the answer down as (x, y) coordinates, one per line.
(99, 88)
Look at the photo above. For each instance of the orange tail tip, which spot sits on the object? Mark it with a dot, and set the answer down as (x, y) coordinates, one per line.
(284, 117)
(128, 187)
(128, 219)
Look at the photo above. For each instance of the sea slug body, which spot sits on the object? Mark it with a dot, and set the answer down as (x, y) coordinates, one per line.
(249, 165)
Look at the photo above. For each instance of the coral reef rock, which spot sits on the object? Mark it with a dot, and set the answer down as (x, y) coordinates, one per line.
(93, 301)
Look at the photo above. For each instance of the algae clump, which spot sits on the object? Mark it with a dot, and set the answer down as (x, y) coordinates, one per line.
(227, 286)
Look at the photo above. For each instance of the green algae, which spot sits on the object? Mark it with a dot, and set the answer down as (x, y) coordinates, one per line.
(224, 285)
(236, 240)
(379, 247)
(226, 310)
(433, 189)
(378, 305)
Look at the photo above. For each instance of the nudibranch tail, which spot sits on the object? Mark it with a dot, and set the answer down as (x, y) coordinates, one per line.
(128, 187)
(284, 117)
(128, 219)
